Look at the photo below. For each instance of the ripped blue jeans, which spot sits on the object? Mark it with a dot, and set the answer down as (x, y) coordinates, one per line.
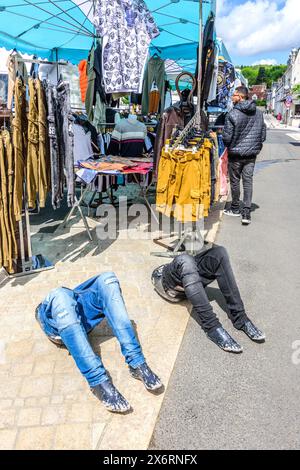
(72, 314)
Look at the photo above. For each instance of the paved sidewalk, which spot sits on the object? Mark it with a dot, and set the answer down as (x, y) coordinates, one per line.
(44, 401)
(272, 123)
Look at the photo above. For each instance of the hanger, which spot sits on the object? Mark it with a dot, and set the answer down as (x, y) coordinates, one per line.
(19, 75)
(155, 56)
(188, 103)
(33, 73)
(60, 79)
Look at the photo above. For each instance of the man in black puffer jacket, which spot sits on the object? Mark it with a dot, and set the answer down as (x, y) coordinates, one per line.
(244, 134)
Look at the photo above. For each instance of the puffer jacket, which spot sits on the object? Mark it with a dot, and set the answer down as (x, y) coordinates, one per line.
(245, 130)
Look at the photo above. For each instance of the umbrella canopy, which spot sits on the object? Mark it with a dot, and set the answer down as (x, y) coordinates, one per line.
(48, 29)
(63, 29)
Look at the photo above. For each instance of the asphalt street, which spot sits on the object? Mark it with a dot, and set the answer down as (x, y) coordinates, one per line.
(217, 400)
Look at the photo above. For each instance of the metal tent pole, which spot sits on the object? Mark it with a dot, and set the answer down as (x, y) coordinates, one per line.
(200, 50)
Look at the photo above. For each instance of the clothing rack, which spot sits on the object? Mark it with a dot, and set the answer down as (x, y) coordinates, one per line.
(195, 233)
(27, 263)
(46, 62)
(37, 61)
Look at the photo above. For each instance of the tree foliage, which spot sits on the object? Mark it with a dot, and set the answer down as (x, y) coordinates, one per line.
(261, 103)
(267, 74)
(261, 76)
(296, 90)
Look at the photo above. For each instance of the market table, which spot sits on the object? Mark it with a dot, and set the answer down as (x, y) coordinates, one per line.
(88, 174)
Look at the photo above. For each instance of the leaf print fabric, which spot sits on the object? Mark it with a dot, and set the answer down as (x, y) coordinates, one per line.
(127, 28)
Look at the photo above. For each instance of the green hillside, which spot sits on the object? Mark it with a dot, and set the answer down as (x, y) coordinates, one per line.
(258, 74)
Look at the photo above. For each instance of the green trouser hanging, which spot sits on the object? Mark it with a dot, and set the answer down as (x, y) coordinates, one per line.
(155, 71)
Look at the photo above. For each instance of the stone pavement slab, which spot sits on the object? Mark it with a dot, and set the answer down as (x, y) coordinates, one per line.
(44, 401)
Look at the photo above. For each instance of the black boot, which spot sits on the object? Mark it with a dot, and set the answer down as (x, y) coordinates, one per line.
(145, 374)
(223, 339)
(252, 332)
(107, 393)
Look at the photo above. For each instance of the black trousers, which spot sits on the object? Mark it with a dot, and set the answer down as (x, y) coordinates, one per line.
(193, 274)
(241, 168)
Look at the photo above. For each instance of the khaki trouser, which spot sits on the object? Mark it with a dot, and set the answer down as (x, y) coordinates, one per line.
(19, 126)
(166, 175)
(9, 164)
(184, 183)
(7, 225)
(188, 187)
(44, 151)
(14, 66)
(4, 226)
(32, 167)
(206, 177)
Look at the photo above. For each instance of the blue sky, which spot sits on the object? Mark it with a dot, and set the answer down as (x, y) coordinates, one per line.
(259, 31)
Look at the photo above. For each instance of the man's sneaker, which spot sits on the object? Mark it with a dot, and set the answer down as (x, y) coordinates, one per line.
(232, 213)
(107, 393)
(252, 332)
(246, 217)
(145, 374)
(223, 339)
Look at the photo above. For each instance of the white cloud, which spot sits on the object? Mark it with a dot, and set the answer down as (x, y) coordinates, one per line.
(3, 59)
(266, 62)
(259, 26)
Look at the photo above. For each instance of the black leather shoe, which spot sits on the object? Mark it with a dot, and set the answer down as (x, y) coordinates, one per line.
(156, 278)
(107, 393)
(223, 339)
(252, 332)
(145, 374)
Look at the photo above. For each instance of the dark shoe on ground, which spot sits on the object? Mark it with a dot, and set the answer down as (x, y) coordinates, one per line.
(107, 393)
(253, 333)
(145, 374)
(223, 339)
(246, 217)
(158, 286)
(232, 213)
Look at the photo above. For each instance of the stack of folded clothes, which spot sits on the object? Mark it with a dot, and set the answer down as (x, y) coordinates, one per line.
(117, 168)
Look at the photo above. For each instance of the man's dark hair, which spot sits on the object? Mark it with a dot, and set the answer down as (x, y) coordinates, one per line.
(243, 91)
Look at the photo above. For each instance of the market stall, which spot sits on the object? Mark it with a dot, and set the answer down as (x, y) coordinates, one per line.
(120, 61)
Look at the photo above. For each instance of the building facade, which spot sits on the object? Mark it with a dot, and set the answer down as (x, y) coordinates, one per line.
(282, 99)
(258, 92)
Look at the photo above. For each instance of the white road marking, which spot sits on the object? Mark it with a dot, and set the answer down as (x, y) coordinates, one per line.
(294, 136)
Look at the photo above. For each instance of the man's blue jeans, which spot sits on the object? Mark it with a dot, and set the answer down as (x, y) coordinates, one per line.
(71, 314)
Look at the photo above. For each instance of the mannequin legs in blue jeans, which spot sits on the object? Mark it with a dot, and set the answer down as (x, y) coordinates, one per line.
(68, 315)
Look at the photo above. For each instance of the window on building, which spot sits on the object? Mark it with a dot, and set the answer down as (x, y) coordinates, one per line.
(297, 110)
